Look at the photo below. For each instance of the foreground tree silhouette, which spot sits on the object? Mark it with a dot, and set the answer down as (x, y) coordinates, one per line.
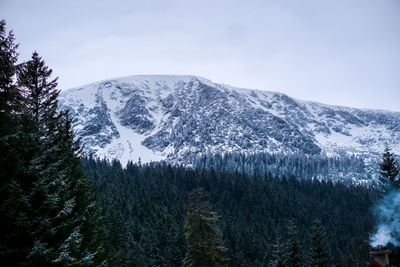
(64, 217)
(9, 94)
(14, 206)
(49, 215)
(9, 97)
(203, 239)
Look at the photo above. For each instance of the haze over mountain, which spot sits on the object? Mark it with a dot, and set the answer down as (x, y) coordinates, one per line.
(167, 117)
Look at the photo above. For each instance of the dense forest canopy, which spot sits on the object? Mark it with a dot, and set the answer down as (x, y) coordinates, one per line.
(145, 208)
(345, 168)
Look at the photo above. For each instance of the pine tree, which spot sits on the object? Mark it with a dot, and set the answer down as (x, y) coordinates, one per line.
(293, 256)
(86, 215)
(14, 205)
(9, 108)
(278, 258)
(52, 202)
(9, 94)
(318, 256)
(389, 170)
(203, 239)
(40, 93)
(42, 178)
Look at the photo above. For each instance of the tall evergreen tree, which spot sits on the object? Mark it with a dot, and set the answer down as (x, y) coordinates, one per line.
(50, 200)
(203, 239)
(293, 256)
(318, 256)
(9, 94)
(278, 257)
(87, 219)
(43, 180)
(14, 205)
(389, 170)
(9, 108)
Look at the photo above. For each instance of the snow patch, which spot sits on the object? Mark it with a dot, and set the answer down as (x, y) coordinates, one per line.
(128, 146)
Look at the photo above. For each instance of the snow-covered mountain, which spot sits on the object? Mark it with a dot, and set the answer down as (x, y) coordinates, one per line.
(168, 117)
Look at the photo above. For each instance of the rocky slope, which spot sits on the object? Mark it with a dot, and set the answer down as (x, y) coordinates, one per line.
(168, 117)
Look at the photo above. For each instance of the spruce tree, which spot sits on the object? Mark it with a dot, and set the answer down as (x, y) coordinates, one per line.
(389, 170)
(9, 94)
(318, 255)
(87, 219)
(51, 198)
(42, 178)
(14, 205)
(203, 238)
(9, 108)
(293, 256)
(278, 258)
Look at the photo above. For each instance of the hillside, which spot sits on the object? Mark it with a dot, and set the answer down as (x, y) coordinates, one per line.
(172, 117)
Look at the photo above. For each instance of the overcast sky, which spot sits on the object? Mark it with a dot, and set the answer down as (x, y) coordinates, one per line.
(343, 52)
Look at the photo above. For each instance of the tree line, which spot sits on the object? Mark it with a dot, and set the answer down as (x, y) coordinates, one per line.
(344, 168)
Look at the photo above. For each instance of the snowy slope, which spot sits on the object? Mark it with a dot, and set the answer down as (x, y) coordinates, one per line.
(161, 117)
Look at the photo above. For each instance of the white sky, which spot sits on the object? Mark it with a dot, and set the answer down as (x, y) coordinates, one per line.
(343, 52)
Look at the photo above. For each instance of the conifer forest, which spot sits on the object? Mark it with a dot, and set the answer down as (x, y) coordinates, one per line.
(60, 206)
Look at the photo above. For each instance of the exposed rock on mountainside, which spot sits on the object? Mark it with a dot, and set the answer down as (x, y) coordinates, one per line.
(167, 117)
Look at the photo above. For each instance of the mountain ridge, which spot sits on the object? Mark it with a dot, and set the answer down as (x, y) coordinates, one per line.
(127, 77)
(170, 116)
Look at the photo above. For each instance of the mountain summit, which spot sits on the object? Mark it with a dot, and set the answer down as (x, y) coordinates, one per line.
(166, 117)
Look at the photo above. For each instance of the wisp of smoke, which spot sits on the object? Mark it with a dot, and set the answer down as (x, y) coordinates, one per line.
(387, 213)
